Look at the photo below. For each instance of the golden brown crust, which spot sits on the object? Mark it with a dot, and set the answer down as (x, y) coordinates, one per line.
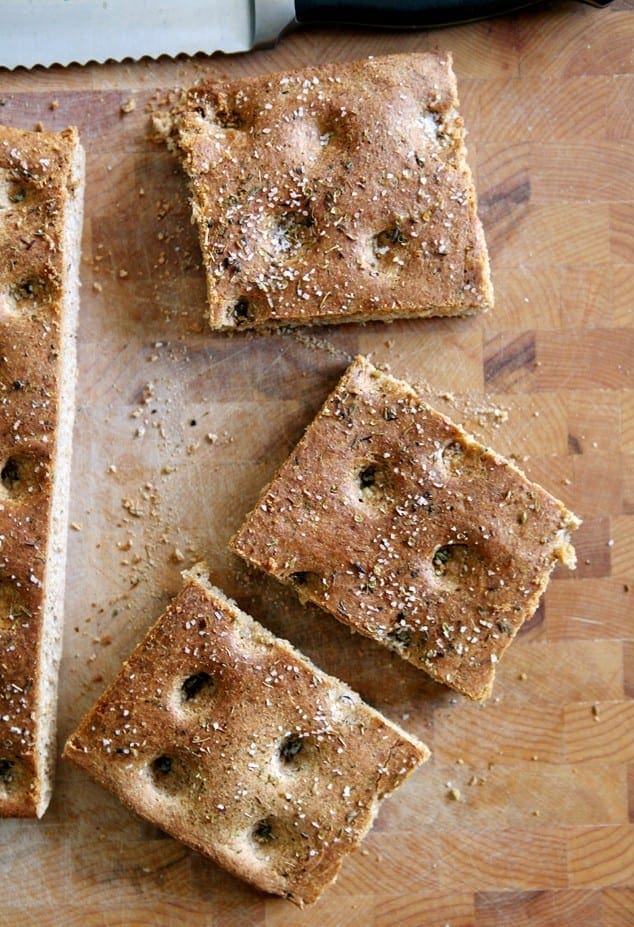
(334, 193)
(402, 526)
(36, 178)
(234, 743)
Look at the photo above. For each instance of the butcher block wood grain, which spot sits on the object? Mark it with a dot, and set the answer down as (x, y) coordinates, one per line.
(524, 814)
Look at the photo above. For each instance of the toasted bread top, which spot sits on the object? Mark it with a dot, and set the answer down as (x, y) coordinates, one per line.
(404, 527)
(333, 193)
(233, 742)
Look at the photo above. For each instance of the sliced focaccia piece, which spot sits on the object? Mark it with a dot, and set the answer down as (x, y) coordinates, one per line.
(405, 528)
(233, 742)
(41, 203)
(332, 194)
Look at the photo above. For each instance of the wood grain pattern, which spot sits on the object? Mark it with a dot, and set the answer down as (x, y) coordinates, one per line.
(178, 430)
(566, 908)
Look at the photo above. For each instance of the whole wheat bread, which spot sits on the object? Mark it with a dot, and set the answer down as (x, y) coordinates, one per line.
(333, 194)
(41, 201)
(393, 519)
(236, 744)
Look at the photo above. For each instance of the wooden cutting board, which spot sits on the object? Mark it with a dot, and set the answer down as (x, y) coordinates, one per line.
(178, 429)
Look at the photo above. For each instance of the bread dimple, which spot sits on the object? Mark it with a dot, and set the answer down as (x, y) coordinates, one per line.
(234, 743)
(40, 187)
(333, 193)
(393, 519)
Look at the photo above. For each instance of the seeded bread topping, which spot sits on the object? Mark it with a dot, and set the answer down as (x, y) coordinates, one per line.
(41, 179)
(399, 524)
(334, 193)
(233, 742)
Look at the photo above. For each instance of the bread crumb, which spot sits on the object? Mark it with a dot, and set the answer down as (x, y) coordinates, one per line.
(76, 525)
(53, 105)
(454, 794)
(128, 106)
(97, 287)
(211, 437)
(123, 273)
(130, 506)
(523, 677)
(177, 555)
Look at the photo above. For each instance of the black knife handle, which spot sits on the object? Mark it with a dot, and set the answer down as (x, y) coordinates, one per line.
(406, 13)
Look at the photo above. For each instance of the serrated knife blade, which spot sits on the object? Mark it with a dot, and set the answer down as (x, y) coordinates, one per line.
(49, 32)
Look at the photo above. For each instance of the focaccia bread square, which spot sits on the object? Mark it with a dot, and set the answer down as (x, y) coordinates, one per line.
(41, 204)
(332, 194)
(393, 519)
(233, 742)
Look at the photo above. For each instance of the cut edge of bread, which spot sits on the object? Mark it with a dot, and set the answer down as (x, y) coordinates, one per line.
(53, 605)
